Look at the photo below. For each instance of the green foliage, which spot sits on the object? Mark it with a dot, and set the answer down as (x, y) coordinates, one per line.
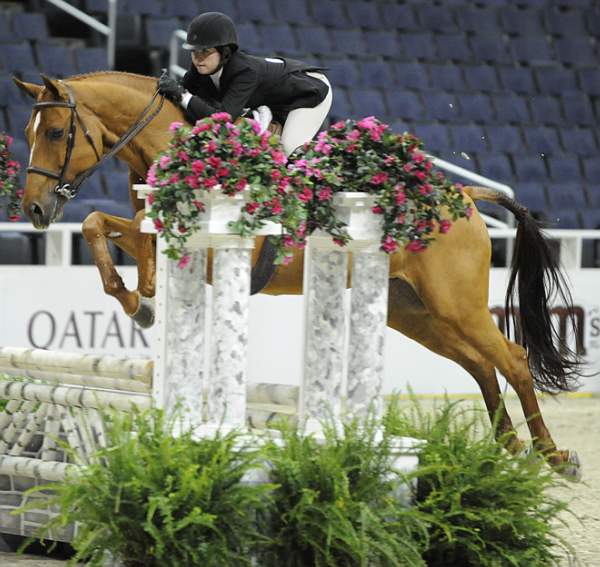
(486, 507)
(336, 504)
(152, 499)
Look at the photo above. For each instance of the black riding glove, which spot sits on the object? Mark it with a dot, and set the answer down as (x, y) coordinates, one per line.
(170, 88)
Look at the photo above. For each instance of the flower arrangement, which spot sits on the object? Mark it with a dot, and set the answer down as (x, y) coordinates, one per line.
(413, 200)
(9, 179)
(216, 154)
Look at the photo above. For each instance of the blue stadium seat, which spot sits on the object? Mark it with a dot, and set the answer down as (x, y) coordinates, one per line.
(404, 104)
(10, 94)
(343, 72)
(504, 138)
(546, 110)
(518, 79)
(530, 168)
(15, 248)
(20, 149)
(476, 107)
(365, 14)
(565, 168)
(160, 30)
(329, 13)
(532, 195)
(3, 123)
(18, 116)
(185, 9)
(18, 57)
(367, 102)
(228, 7)
(349, 42)
(76, 211)
(5, 32)
(314, 39)
(591, 169)
(441, 106)
(453, 47)
(481, 77)
(480, 20)
(382, 42)
(145, 7)
(590, 80)
(27, 25)
(591, 218)
(468, 138)
(116, 184)
(566, 195)
(592, 21)
(521, 22)
(412, 75)
(531, 50)
(340, 107)
(435, 136)
(433, 18)
(249, 37)
(542, 140)
(578, 110)
(495, 166)
(402, 15)
(117, 209)
(561, 22)
(553, 80)
(593, 193)
(511, 108)
(417, 45)
(562, 218)
(56, 60)
(260, 11)
(448, 77)
(292, 11)
(576, 51)
(580, 141)
(377, 74)
(489, 49)
(90, 59)
(279, 38)
(92, 188)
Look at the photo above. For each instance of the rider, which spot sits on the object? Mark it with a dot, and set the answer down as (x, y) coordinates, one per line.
(223, 78)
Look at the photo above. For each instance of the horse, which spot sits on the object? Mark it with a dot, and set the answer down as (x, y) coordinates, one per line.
(438, 297)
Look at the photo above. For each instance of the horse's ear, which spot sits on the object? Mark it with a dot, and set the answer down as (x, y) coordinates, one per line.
(28, 88)
(51, 85)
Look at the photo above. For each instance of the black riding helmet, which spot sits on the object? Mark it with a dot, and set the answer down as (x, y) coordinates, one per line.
(211, 29)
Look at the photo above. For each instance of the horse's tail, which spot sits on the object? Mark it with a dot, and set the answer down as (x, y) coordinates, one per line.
(554, 366)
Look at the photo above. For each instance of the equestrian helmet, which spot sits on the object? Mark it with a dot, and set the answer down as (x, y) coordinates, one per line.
(211, 29)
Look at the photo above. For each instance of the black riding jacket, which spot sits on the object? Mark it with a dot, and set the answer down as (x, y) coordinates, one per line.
(248, 82)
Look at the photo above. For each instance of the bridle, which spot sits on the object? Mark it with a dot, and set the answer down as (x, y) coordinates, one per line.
(70, 190)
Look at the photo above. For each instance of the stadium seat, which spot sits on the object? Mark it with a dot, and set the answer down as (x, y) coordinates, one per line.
(562, 218)
(348, 42)
(590, 80)
(481, 20)
(453, 47)
(259, 11)
(3, 123)
(566, 195)
(340, 107)
(542, 140)
(495, 166)
(411, 75)
(10, 94)
(578, 110)
(292, 11)
(404, 104)
(504, 138)
(546, 110)
(343, 72)
(447, 77)
(5, 32)
(279, 38)
(186, 9)
(511, 108)
(530, 168)
(521, 22)
(160, 30)
(517, 79)
(15, 248)
(367, 102)
(145, 7)
(117, 209)
(576, 51)
(329, 13)
(553, 80)
(18, 116)
(489, 49)
(435, 137)
(533, 196)
(402, 15)
(433, 19)
(20, 150)
(531, 50)
(441, 106)
(92, 188)
(591, 218)
(417, 46)
(56, 60)
(377, 74)
(250, 39)
(18, 57)
(476, 107)
(592, 21)
(116, 184)
(228, 7)
(591, 168)
(365, 14)
(561, 22)
(382, 43)
(76, 211)
(481, 77)
(90, 59)
(564, 168)
(315, 40)
(27, 25)
(580, 141)
(468, 138)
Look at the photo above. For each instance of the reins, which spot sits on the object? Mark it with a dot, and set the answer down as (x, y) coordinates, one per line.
(70, 190)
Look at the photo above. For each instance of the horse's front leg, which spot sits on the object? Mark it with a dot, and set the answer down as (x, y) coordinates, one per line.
(97, 229)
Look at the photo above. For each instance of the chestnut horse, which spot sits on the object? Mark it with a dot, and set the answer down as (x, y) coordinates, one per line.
(438, 298)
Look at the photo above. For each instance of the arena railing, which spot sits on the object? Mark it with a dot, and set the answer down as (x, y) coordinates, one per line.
(110, 30)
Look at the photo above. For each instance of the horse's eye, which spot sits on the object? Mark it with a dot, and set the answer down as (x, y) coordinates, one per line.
(55, 133)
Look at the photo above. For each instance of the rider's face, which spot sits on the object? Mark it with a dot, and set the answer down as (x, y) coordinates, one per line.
(206, 61)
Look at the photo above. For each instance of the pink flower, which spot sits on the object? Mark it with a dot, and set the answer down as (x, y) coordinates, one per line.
(175, 126)
(375, 135)
(339, 242)
(279, 157)
(254, 152)
(276, 175)
(420, 175)
(323, 148)
(400, 197)
(150, 198)
(445, 226)
(192, 181)
(198, 204)
(183, 156)
(158, 225)
(287, 259)
(276, 207)
(389, 245)
(305, 195)
(288, 241)
(377, 210)
(151, 176)
(174, 179)
(211, 147)
(197, 167)
(214, 161)
(183, 262)
(389, 160)
(14, 217)
(200, 127)
(221, 116)
(164, 161)
(418, 157)
(325, 194)
(351, 148)
(421, 226)
(222, 172)
(255, 126)
(367, 123)
(426, 189)
(338, 125)
(19, 193)
(379, 178)
(469, 212)
(252, 207)
(236, 148)
(408, 167)
(415, 246)
(9, 140)
(241, 184)
(181, 229)
(353, 136)
(210, 182)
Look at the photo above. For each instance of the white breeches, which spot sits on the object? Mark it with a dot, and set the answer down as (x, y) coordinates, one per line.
(303, 123)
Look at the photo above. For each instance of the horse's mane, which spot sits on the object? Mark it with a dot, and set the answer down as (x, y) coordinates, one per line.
(117, 77)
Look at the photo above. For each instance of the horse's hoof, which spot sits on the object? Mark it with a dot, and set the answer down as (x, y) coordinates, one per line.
(144, 316)
(571, 468)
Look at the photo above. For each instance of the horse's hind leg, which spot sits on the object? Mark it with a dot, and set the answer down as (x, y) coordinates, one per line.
(407, 314)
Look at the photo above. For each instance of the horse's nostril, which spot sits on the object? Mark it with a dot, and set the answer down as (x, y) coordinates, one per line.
(36, 210)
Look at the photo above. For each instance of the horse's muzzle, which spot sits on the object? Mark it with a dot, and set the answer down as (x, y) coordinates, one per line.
(42, 217)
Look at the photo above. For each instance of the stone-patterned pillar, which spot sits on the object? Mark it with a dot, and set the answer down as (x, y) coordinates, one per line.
(325, 278)
(232, 266)
(368, 325)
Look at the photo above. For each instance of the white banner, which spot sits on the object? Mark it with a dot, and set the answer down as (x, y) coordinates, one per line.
(65, 308)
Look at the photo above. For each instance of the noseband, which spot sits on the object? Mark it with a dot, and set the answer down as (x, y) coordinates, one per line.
(70, 190)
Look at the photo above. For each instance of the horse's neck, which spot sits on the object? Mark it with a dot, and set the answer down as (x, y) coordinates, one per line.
(119, 106)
